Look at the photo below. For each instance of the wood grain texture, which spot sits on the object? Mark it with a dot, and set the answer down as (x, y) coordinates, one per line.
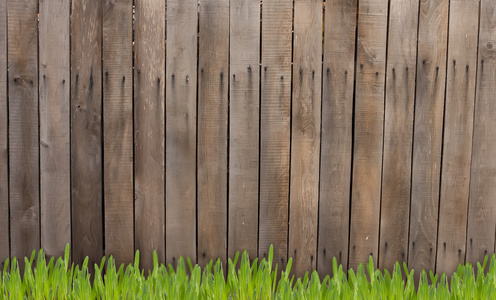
(482, 207)
(55, 155)
(23, 128)
(244, 126)
(118, 129)
(275, 131)
(398, 132)
(149, 130)
(369, 121)
(305, 135)
(4, 152)
(213, 89)
(458, 129)
(337, 133)
(86, 130)
(182, 30)
(428, 131)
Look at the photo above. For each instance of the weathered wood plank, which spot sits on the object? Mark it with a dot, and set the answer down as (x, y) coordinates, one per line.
(458, 129)
(369, 115)
(275, 135)
(482, 207)
(182, 30)
(213, 83)
(244, 126)
(428, 131)
(24, 183)
(337, 133)
(4, 152)
(55, 155)
(149, 130)
(305, 135)
(398, 132)
(118, 129)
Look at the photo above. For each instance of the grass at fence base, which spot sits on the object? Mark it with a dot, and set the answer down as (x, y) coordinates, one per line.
(58, 280)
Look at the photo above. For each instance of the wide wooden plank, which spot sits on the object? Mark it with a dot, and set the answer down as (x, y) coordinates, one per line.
(4, 153)
(428, 131)
(149, 130)
(398, 132)
(118, 129)
(369, 115)
(244, 126)
(458, 129)
(213, 88)
(305, 135)
(182, 30)
(86, 127)
(275, 131)
(482, 207)
(24, 183)
(337, 133)
(55, 155)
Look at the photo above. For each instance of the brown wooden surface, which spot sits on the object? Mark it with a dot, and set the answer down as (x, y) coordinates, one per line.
(428, 131)
(86, 127)
(149, 130)
(244, 126)
(369, 115)
(182, 29)
(482, 206)
(458, 129)
(24, 184)
(213, 89)
(4, 152)
(55, 164)
(275, 135)
(398, 132)
(305, 135)
(118, 129)
(337, 135)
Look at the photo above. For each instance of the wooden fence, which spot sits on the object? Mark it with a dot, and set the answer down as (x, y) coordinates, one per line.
(328, 129)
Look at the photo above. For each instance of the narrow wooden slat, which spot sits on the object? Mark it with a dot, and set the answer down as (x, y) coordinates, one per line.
(305, 139)
(213, 83)
(337, 125)
(149, 130)
(4, 156)
(482, 207)
(458, 129)
(275, 135)
(55, 126)
(428, 127)
(23, 127)
(244, 126)
(86, 126)
(369, 115)
(182, 29)
(118, 129)
(398, 132)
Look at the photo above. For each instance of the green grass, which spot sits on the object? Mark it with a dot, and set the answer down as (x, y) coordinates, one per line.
(58, 280)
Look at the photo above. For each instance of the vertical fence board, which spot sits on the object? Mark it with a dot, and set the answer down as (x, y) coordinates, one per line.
(23, 127)
(244, 126)
(337, 126)
(428, 130)
(482, 206)
(369, 115)
(305, 139)
(213, 83)
(55, 159)
(149, 124)
(275, 134)
(4, 152)
(86, 136)
(398, 132)
(458, 129)
(118, 129)
(182, 31)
